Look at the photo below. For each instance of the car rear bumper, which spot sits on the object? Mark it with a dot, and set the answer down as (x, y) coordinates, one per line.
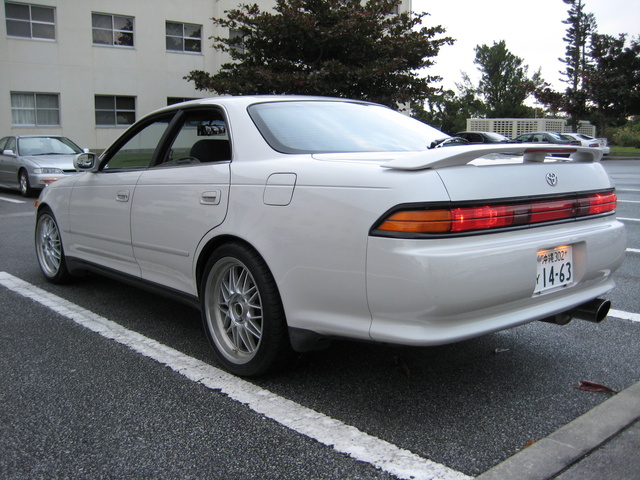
(430, 292)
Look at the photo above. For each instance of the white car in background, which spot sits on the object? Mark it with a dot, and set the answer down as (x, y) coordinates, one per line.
(289, 221)
(588, 141)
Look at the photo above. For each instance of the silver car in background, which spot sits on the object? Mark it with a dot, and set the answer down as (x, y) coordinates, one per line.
(31, 162)
(289, 221)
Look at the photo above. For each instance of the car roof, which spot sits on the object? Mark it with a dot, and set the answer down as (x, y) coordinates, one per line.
(247, 100)
(252, 99)
(40, 135)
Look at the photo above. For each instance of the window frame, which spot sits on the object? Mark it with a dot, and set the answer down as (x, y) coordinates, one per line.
(116, 110)
(183, 38)
(31, 22)
(37, 111)
(113, 30)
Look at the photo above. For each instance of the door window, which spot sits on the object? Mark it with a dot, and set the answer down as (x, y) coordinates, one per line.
(137, 152)
(203, 138)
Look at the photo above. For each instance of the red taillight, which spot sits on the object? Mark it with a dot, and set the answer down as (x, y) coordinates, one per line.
(488, 217)
(551, 210)
(602, 203)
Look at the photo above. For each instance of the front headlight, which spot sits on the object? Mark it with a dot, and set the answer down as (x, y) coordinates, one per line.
(47, 170)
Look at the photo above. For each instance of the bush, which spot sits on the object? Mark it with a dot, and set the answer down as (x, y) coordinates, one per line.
(627, 136)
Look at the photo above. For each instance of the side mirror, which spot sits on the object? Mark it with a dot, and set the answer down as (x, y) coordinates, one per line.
(85, 162)
(9, 153)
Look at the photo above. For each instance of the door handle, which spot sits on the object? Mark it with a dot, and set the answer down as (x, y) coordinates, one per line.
(211, 198)
(122, 196)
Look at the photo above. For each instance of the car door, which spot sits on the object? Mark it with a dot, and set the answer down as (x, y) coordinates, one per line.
(3, 142)
(181, 198)
(100, 206)
(8, 176)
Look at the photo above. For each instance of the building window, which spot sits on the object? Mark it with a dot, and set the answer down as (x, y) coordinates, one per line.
(174, 100)
(238, 40)
(115, 110)
(112, 30)
(184, 37)
(30, 21)
(35, 109)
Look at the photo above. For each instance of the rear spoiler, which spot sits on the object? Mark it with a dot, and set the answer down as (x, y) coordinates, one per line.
(462, 154)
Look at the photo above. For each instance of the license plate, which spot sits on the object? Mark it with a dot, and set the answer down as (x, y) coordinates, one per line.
(555, 269)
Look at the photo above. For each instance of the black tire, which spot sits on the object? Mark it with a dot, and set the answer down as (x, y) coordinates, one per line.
(25, 186)
(242, 312)
(49, 249)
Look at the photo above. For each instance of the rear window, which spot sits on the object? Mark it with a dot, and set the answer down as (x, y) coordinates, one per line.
(333, 126)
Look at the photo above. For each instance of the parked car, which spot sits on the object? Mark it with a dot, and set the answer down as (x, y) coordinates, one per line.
(484, 137)
(589, 141)
(448, 142)
(31, 162)
(604, 145)
(289, 221)
(553, 138)
(547, 137)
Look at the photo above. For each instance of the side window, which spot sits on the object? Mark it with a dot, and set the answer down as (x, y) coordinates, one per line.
(202, 138)
(11, 145)
(3, 143)
(138, 150)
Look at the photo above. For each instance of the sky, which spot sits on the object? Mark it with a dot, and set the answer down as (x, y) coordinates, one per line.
(532, 30)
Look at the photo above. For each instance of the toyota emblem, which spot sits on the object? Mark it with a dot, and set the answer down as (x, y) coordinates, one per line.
(552, 179)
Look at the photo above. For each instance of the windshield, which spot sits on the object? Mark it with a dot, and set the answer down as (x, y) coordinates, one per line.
(30, 146)
(332, 126)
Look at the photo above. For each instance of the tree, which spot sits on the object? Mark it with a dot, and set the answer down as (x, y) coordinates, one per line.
(449, 111)
(344, 48)
(580, 26)
(504, 85)
(613, 84)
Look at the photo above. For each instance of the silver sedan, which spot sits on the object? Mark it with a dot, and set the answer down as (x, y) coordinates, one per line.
(31, 162)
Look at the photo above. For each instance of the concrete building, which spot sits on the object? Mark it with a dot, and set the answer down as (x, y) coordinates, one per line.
(514, 127)
(87, 69)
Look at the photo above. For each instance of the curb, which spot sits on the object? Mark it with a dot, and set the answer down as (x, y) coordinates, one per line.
(568, 445)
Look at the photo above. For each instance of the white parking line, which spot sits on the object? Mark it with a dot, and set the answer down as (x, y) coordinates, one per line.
(11, 200)
(634, 317)
(629, 219)
(326, 430)
(628, 201)
(633, 250)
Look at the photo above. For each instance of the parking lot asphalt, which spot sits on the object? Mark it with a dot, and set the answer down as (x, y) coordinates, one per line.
(601, 444)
